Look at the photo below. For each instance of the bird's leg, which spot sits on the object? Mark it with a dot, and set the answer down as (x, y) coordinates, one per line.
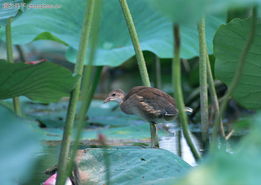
(154, 135)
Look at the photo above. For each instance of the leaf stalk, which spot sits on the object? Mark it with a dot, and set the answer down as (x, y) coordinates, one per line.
(203, 82)
(9, 51)
(141, 61)
(78, 70)
(176, 80)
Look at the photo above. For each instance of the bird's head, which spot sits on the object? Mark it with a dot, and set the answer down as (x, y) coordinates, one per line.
(115, 95)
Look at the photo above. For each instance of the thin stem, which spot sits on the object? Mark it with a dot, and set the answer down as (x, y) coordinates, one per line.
(176, 80)
(135, 42)
(157, 72)
(138, 51)
(233, 84)
(227, 137)
(213, 94)
(154, 135)
(78, 70)
(179, 145)
(196, 93)
(9, 50)
(203, 82)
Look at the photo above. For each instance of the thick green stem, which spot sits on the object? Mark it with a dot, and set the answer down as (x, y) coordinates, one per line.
(78, 70)
(233, 84)
(138, 51)
(214, 97)
(176, 80)
(91, 88)
(135, 42)
(9, 50)
(88, 87)
(203, 81)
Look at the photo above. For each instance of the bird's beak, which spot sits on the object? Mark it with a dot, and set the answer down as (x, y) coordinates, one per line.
(107, 100)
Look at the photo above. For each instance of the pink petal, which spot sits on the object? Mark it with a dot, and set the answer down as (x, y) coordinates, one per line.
(52, 180)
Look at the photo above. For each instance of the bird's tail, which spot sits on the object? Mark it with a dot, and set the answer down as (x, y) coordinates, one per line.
(188, 109)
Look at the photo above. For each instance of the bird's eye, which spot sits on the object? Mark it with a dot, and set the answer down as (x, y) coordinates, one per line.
(113, 94)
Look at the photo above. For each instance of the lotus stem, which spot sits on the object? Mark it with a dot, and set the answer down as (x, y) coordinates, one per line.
(88, 87)
(140, 58)
(176, 80)
(9, 50)
(136, 44)
(203, 82)
(213, 94)
(78, 70)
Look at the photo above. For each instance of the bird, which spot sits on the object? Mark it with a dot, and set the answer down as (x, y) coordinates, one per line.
(151, 104)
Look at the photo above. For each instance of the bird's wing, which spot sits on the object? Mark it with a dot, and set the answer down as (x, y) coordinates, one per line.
(156, 101)
(134, 91)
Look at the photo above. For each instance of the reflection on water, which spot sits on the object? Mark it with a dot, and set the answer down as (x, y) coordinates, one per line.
(170, 143)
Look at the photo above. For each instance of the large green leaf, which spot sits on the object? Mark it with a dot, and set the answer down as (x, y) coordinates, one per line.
(229, 42)
(19, 142)
(241, 166)
(190, 11)
(131, 166)
(44, 82)
(64, 25)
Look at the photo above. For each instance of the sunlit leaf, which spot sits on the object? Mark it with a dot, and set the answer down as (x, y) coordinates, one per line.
(63, 25)
(132, 165)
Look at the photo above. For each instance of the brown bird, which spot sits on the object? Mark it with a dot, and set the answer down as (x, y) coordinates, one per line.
(149, 103)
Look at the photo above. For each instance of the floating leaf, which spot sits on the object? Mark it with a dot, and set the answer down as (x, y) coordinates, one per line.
(229, 42)
(44, 82)
(53, 114)
(132, 165)
(114, 124)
